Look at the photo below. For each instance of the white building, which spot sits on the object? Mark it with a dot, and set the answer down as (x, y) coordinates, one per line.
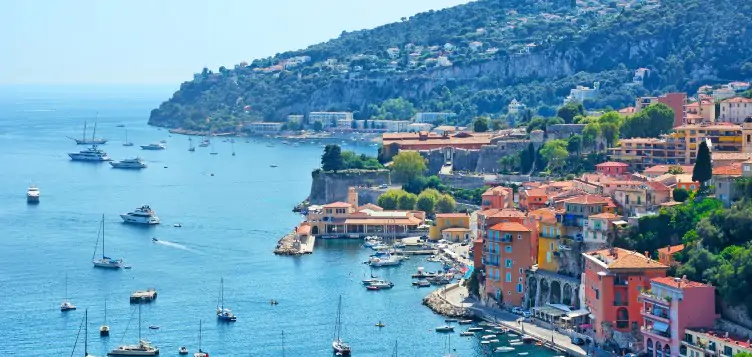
(295, 118)
(417, 127)
(724, 92)
(328, 119)
(581, 93)
(393, 52)
(443, 61)
(448, 47)
(735, 110)
(344, 124)
(432, 117)
(515, 107)
(261, 127)
(739, 86)
(639, 75)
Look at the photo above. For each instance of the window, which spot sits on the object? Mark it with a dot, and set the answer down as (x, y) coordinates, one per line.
(519, 288)
(519, 280)
(728, 351)
(508, 263)
(520, 272)
(509, 277)
(519, 236)
(508, 249)
(548, 257)
(552, 246)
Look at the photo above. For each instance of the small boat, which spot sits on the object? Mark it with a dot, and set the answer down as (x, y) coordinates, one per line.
(340, 347)
(142, 215)
(373, 288)
(526, 338)
(177, 225)
(182, 350)
(153, 327)
(104, 330)
(224, 314)
(273, 302)
(66, 305)
(272, 166)
(120, 126)
(135, 163)
(503, 349)
(105, 262)
(486, 342)
(126, 142)
(488, 337)
(422, 283)
(515, 343)
(450, 320)
(445, 328)
(373, 279)
(154, 239)
(467, 333)
(200, 352)
(32, 194)
(474, 329)
(493, 341)
(380, 324)
(153, 146)
(465, 322)
(381, 284)
(523, 353)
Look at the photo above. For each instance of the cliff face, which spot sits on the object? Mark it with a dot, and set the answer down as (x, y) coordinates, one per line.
(328, 187)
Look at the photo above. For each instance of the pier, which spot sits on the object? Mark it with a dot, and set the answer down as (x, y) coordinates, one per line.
(295, 243)
(142, 296)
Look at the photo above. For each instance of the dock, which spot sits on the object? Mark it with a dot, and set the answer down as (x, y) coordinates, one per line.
(295, 244)
(306, 244)
(420, 252)
(143, 296)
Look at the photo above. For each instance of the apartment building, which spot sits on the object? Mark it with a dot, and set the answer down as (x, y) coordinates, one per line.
(507, 252)
(699, 342)
(675, 101)
(433, 117)
(329, 119)
(735, 110)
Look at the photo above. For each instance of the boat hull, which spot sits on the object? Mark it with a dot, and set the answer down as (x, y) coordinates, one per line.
(341, 349)
(119, 165)
(87, 158)
(140, 219)
(112, 264)
(91, 142)
(32, 199)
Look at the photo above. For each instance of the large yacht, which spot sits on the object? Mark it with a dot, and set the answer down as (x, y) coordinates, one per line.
(32, 194)
(154, 146)
(90, 154)
(136, 163)
(143, 348)
(142, 215)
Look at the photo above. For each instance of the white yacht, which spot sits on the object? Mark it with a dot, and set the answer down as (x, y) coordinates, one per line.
(105, 261)
(143, 348)
(32, 194)
(90, 154)
(135, 163)
(154, 146)
(384, 261)
(142, 215)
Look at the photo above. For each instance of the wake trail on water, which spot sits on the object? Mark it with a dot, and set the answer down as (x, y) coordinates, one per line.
(175, 245)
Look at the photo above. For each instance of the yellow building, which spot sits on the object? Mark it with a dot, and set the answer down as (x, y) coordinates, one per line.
(705, 343)
(548, 244)
(448, 220)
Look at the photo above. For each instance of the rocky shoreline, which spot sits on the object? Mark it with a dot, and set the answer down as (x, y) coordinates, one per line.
(440, 306)
(288, 245)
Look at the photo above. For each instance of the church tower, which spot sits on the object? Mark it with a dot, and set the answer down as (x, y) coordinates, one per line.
(747, 136)
(352, 197)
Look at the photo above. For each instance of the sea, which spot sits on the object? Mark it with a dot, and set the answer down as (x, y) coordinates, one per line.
(232, 211)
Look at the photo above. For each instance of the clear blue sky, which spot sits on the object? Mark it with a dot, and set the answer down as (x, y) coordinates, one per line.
(166, 41)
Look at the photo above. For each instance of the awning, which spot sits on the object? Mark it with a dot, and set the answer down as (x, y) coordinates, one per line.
(660, 326)
(578, 313)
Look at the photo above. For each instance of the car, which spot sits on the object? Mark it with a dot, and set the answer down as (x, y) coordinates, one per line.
(383, 185)
(525, 313)
(577, 341)
(516, 310)
(464, 244)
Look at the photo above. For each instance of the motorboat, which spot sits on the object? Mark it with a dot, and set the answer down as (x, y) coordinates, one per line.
(142, 215)
(422, 274)
(163, 141)
(273, 166)
(370, 280)
(143, 348)
(422, 283)
(153, 146)
(67, 306)
(182, 350)
(465, 322)
(445, 328)
(467, 334)
(380, 324)
(381, 284)
(32, 194)
(475, 329)
(503, 349)
(386, 261)
(153, 327)
(154, 239)
(135, 163)
(91, 154)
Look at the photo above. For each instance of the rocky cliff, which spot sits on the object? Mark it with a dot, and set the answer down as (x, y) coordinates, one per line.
(328, 187)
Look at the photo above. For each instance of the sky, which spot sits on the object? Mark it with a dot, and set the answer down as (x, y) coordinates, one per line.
(166, 41)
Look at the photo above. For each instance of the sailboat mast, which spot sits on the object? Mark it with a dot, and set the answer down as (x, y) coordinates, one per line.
(105, 310)
(199, 335)
(66, 286)
(83, 137)
(283, 343)
(94, 133)
(102, 235)
(139, 322)
(86, 333)
(222, 292)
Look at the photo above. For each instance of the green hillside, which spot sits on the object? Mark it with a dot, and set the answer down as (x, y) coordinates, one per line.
(474, 59)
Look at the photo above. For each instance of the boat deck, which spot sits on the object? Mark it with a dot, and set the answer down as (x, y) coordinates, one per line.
(143, 296)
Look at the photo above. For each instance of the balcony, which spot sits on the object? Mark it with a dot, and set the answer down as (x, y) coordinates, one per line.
(658, 316)
(647, 295)
(656, 334)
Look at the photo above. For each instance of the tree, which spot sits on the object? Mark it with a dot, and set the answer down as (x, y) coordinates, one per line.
(331, 160)
(396, 108)
(389, 200)
(555, 153)
(590, 135)
(651, 122)
(445, 204)
(408, 165)
(703, 170)
(427, 201)
(675, 170)
(569, 111)
(680, 194)
(480, 125)
(406, 201)
(317, 126)
(574, 144)
(354, 125)
(610, 132)
(497, 124)
(527, 159)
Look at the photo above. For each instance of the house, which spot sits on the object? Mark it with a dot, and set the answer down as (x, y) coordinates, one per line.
(533, 199)
(669, 307)
(445, 221)
(612, 169)
(394, 142)
(581, 93)
(658, 170)
(685, 181)
(393, 52)
(600, 229)
(507, 258)
(706, 89)
(549, 235)
(666, 255)
(345, 220)
(722, 93)
(739, 86)
(515, 107)
(724, 181)
(576, 211)
(639, 75)
(700, 342)
(497, 197)
(443, 61)
(613, 279)
(735, 110)
(475, 46)
(701, 111)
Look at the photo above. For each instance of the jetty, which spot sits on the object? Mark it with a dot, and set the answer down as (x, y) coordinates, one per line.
(143, 296)
(298, 242)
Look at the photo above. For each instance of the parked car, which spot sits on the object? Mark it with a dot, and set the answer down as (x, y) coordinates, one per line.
(383, 185)
(516, 310)
(577, 341)
(525, 313)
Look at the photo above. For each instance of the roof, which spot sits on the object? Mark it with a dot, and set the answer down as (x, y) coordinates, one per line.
(455, 229)
(670, 204)
(662, 169)
(370, 206)
(715, 126)
(671, 249)
(734, 339)
(737, 100)
(679, 283)
(507, 213)
(684, 178)
(734, 169)
(546, 215)
(612, 164)
(451, 215)
(587, 200)
(510, 227)
(497, 190)
(384, 221)
(618, 258)
(535, 192)
(628, 110)
(303, 230)
(605, 215)
(337, 205)
(657, 186)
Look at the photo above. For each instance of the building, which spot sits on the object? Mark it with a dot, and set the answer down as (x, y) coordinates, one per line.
(507, 257)
(515, 107)
(701, 342)
(724, 181)
(564, 131)
(393, 142)
(390, 126)
(418, 127)
(485, 219)
(328, 119)
(549, 235)
(701, 111)
(735, 110)
(498, 197)
(433, 117)
(581, 93)
(345, 220)
(722, 93)
(577, 210)
(443, 61)
(639, 75)
(600, 229)
(295, 118)
(675, 101)
(612, 169)
(666, 255)
(669, 307)
(613, 278)
(685, 181)
(533, 199)
(659, 170)
(262, 127)
(456, 235)
(739, 86)
(447, 129)
(393, 52)
(344, 124)
(446, 221)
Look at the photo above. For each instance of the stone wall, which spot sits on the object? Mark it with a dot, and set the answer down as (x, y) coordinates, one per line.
(369, 195)
(462, 181)
(434, 160)
(327, 187)
(488, 158)
(737, 315)
(465, 160)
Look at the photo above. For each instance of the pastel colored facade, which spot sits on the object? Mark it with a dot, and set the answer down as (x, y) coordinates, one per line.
(600, 228)
(724, 181)
(263, 127)
(498, 197)
(613, 280)
(392, 142)
(533, 221)
(735, 110)
(344, 220)
(613, 169)
(548, 244)
(675, 101)
(685, 181)
(710, 343)
(576, 212)
(329, 119)
(445, 221)
(507, 257)
(669, 307)
(666, 255)
(456, 235)
(533, 199)
(486, 219)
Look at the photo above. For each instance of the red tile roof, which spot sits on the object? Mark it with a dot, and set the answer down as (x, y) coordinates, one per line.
(734, 169)
(671, 249)
(605, 215)
(618, 258)
(737, 100)
(678, 282)
(534, 192)
(507, 213)
(510, 227)
(498, 190)
(612, 164)
(337, 205)
(451, 215)
(587, 200)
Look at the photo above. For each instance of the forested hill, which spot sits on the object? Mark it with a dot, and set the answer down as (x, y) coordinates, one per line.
(474, 59)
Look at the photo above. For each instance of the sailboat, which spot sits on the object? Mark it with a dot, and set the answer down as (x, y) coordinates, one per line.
(283, 343)
(204, 143)
(93, 141)
(224, 314)
(191, 148)
(449, 347)
(104, 330)
(105, 261)
(394, 353)
(200, 352)
(340, 347)
(143, 348)
(213, 152)
(233, 147)
(66, 305)
(86, 335)
(127, 143)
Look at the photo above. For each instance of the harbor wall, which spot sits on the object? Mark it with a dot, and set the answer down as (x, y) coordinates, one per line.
(327, 187)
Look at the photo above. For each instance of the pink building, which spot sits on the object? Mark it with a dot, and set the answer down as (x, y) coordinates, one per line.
(671, 306)
(613, 169)
(498, 197)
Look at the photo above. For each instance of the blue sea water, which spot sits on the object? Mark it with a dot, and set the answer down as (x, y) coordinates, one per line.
(231, 221)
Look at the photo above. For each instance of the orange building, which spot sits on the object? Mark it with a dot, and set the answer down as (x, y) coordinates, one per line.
(393, 142)
(533, 199)
(666, 255)
(507, 256)
(613, 279)
(497, 197)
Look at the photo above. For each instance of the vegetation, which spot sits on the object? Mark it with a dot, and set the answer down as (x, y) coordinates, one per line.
(334, 159)
(680, 194)
(397, 199)
(684, 43)
(408, 165)
(703, 170)
(445, 204)
(654, 120)
(480, 125)
(427, 201)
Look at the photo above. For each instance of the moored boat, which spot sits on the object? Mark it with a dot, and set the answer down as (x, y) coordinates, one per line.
(91, 154)
(143, 348)
(32, 194)
(135, 163)
(142, 215)
(224, 314)
(445, 328)
(153, 146)
(66, 305)
(340, 347)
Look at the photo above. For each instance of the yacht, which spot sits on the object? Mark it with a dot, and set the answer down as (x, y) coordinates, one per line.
(90, 154)
(224, 314)
(204, 143)
(135, 163)
(143, 348)
(340, 347)
(154, 146)
(381, 284)
(142, 215)
(32, 194)
(385, 261)
(66, 305)
(93, 141)
(105, 261)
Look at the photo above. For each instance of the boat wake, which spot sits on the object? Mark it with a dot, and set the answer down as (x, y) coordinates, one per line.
(175, 245)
